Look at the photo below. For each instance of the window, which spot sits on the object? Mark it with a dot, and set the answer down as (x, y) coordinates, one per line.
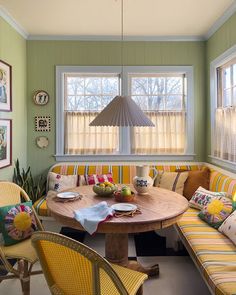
(85, 96)
(165, 94)
(162, 97)
(223, 71)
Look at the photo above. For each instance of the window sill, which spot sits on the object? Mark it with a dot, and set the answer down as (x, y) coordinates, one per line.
(231, 166)
(125, 158)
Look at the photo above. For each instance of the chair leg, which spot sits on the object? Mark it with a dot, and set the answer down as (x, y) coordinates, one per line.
(140, 290)
(24, 277)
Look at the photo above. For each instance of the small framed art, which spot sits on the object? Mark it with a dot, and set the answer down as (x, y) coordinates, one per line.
(5, 87)
(41, 97)
(5, 143)
(42, 123)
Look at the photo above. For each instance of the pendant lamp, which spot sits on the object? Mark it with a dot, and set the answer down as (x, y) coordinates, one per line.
(122, 110)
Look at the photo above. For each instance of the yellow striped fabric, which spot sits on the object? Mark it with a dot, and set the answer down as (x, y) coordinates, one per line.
(120, 173)
(222, 183)
(214, 253)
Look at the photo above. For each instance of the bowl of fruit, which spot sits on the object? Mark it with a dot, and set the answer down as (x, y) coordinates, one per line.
(124, 195)
(105, 188)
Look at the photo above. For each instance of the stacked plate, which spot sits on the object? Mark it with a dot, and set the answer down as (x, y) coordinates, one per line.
(68, 196)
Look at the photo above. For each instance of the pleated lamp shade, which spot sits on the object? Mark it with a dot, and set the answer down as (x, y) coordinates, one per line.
(122, 111)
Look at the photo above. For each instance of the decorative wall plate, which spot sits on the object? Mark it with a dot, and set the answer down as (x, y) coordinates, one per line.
(41, 97)
(42, 142)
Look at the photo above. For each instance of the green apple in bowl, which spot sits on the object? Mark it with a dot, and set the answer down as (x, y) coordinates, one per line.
(126, 191)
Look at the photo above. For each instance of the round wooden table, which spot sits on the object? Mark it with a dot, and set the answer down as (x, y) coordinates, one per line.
(160, 208)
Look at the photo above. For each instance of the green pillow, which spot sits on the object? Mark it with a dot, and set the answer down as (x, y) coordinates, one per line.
(17, 222)
(216, 211)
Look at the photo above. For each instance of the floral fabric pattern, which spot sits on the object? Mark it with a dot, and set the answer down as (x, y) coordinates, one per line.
(17, 222)
(215, 212)
(202, 197)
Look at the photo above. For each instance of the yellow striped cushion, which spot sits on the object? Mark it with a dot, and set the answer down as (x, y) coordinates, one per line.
(222, 183)
(214, 253)
(121, 174)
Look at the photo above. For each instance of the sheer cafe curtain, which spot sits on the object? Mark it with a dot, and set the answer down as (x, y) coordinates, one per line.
(225, 134)
(167, 137)
(80, 138)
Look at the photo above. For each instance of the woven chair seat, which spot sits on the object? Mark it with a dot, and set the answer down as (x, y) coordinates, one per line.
(21, 250)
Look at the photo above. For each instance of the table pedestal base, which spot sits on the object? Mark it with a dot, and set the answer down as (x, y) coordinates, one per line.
(116, 251)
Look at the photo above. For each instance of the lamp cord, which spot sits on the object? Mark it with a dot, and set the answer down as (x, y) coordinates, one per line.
(122, 42)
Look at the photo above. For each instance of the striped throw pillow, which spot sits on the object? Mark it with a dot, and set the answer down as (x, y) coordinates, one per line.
(173, 181)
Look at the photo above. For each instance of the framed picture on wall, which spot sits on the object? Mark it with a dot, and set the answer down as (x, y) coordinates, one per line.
(5, 87)
(42, 123)
(5, 143)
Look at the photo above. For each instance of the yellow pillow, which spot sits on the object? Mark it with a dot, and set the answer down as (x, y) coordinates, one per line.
(173, 181)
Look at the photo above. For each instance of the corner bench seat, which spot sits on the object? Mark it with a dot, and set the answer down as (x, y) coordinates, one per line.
(213, 253)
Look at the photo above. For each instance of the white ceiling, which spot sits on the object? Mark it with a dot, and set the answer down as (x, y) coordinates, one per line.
(103, 17)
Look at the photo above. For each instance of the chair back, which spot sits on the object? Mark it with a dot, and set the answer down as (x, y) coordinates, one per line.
(73, 268)
(11, 194)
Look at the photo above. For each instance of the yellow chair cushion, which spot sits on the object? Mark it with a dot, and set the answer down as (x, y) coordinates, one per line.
(24, 249)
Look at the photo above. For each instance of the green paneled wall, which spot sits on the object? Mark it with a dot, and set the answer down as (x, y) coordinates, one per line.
(13, 51)
(43, 56)
(222, 40)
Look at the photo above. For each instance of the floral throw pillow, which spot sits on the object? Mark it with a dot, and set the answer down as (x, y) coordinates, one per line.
(58, 182)
(90, 179)
(228, 227)
(17, 222)
(216, 211)
(202, 197)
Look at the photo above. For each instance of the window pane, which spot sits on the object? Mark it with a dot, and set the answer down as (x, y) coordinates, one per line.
(71, 102)
(141, 101)
(93, 103)
(234, 74)
(110, 86)
(139, 86)
(234, 97)
(156, 86)
(227, 98)
(227, 82)
(75, 86)
(174, 85)
(92, 86)
(174, 102)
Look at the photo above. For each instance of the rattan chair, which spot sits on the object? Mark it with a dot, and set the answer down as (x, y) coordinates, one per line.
(23, 252)
(71, 268)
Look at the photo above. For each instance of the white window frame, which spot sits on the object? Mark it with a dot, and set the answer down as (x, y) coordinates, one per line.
(216, 63)
(124, 151)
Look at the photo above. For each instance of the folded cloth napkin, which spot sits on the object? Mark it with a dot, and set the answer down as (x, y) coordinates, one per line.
(90, 217)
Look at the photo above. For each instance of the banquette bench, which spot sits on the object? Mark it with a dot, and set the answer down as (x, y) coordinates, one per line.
(213, 253)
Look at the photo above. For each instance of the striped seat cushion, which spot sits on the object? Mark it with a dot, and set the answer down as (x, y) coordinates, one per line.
(214, 253)
(121, 174)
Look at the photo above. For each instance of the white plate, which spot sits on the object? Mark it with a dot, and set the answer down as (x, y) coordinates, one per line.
(67, 195)
(124, 207)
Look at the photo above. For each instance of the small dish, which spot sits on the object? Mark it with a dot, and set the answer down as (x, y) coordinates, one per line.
(124, 207)
(67, 195)
(120, 198)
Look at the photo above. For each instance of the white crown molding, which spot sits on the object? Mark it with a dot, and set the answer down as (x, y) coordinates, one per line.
(116, 38)
(221, 20)
(12, 22)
